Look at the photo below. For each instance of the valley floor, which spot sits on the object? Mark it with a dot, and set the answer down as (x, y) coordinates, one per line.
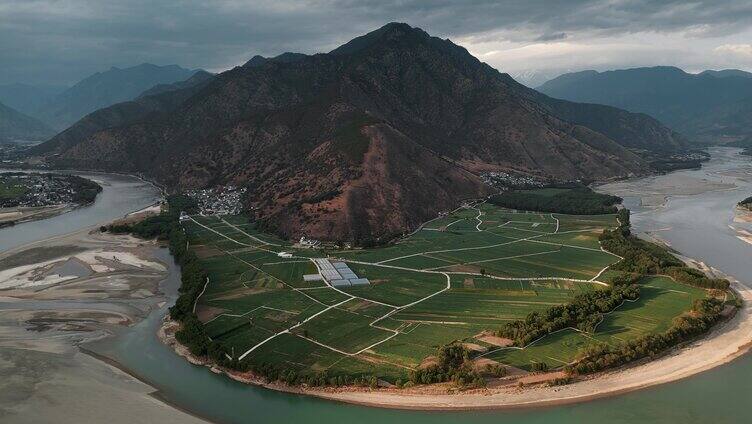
(457, 279)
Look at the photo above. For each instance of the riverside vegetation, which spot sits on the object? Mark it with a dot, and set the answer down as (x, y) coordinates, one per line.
(640, 259)
(486, 264)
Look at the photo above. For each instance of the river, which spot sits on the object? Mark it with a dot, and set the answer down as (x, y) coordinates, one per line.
(120, 195)
(696, 225)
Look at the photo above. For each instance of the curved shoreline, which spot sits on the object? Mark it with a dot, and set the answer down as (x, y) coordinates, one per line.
(724, 343)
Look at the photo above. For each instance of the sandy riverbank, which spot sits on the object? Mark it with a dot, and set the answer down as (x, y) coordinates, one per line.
(13, 216)
(59, 293)
(726, 342)
(654, 191)
(742, 215)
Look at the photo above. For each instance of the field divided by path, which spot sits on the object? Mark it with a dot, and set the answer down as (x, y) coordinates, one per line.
(461, 275)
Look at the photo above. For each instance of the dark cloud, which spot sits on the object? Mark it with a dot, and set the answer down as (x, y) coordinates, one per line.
(63, 40)
(552, 37)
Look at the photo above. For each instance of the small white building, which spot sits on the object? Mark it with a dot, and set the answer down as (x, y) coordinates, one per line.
(284, 255)
(305, 242)
(312, 277)
(184, 216)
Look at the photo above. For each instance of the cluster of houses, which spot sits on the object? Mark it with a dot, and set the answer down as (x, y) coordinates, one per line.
(219, 200)
(504, 179)
(33, 190)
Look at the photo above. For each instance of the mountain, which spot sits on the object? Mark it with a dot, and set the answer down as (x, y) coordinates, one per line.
(727, 73)
(534, 77)
(708, 106)
(15, 126)
(150, 105)
(27, 98)
(361, 143)
(198, 78)
(105, 89)
(287, 57)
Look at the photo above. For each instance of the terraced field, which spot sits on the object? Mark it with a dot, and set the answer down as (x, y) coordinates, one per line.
(458, 278)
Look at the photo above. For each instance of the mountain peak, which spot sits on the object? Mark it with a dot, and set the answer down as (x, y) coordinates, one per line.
(724, 73)
(360, 144)
(286, 57)
(389, 32)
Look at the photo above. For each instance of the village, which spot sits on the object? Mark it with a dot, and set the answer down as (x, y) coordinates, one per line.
(507, 180)
(34, 190)
(219, 200)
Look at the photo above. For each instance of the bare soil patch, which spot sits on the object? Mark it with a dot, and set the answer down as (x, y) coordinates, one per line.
(464, 268)
(205, 313)
(492, 339)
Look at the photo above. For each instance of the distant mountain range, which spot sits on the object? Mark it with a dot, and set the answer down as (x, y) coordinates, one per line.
(60, 107)
(15, 126)
(107, 88)
(28, 99)
(361, 143)
(710, 106)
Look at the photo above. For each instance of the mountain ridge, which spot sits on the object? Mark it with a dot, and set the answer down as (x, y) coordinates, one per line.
(358, 145)
(106, 88)
(707, 106)
(16, 126)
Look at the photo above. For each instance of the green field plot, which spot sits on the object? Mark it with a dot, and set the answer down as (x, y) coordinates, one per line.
(484, 301)
(237, 332)
(291, 272)
(507, 233)
(395, 286)
(426, 261)
(12, 188)
(583, 238)
(224, 324)
(466, 224)
(533, 227)
(566, 262)
(661, 300)
(354, 366)
(441, 222)
(296, 353)
(555, 350)
(243, 338)
(420, 340)
(580, 222)
(343, 330)
(366, 308)
(425, 241)
(497, 252)
(326, 295)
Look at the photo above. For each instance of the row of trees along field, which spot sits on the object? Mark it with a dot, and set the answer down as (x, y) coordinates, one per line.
(452, 364)
(641, 258)
(705, 313)
(583, 313)
(568, 199)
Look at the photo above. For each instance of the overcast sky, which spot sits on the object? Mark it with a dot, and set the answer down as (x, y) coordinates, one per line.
(62, 41)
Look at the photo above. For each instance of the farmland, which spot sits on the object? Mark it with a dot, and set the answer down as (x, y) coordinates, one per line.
(457, 279)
